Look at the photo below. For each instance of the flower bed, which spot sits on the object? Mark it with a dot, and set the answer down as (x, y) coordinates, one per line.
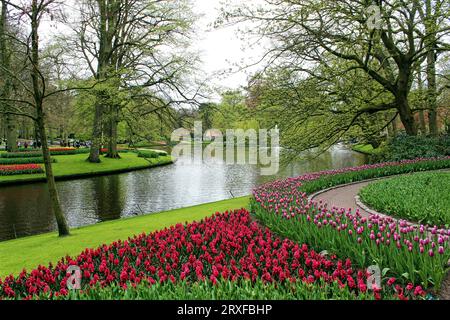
(401, 251)
(226, 247)
(149, 154)
(20, 169)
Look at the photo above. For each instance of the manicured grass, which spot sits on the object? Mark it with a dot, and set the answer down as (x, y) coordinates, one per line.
(72, 166)
(421, 197)
(32, 251)
(366, 149)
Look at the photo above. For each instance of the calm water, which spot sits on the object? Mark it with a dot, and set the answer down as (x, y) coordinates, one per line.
(25, 210)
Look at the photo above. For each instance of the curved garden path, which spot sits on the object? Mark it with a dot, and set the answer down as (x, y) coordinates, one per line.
(343, 196)
(346, 196)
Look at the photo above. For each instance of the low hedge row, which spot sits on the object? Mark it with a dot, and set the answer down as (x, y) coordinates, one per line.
(149, 154)
(37, 154)
(8, 161)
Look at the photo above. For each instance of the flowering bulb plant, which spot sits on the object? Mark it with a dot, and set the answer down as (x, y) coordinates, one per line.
(20, 169)
(226, 247)
(411, 254)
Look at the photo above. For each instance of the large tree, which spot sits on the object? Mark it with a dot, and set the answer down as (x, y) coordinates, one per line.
(36, 87)
(380, 41)
(5, 81)
(125, 44)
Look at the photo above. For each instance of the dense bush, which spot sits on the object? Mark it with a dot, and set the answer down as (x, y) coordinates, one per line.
(226, 247)
(20, 169)
(402, 251)
(409, 147)
(149, 154)
(421, 197)
(8, 161)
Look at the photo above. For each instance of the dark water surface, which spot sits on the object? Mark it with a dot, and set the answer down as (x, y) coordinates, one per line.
(25, 209)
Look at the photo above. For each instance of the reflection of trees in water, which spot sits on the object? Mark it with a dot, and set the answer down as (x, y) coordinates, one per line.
(109, 196)
(25, 211)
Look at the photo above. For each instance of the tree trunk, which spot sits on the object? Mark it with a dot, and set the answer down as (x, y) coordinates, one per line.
(63, 227)
(38, 96)
(422, 123)
(94, 155)
(430, 41)
(112, 133)
(406, 115)
(432, 93)
(11, 134)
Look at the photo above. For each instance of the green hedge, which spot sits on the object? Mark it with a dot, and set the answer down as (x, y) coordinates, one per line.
(150, 154)
(10, 161)
(223, 290)
(408, 147)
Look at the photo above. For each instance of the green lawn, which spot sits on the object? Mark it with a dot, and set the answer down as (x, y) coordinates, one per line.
(419, 197)
(30, 252)
(71, 166)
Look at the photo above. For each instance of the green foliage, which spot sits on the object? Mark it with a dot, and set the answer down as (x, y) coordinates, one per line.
(422, 197)
(223, 290)
(9, 161)
(408, 147)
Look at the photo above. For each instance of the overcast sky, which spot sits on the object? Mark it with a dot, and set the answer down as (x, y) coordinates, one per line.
(219, 49)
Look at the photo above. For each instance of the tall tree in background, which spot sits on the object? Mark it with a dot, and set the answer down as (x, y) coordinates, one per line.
(122, 43)
(434, 14)
(31, 15)
(5, 81)
(335, 41)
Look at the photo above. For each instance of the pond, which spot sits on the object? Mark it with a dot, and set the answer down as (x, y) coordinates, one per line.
(25, 209)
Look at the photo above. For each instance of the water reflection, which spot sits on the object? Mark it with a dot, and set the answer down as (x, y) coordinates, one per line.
(25, 210)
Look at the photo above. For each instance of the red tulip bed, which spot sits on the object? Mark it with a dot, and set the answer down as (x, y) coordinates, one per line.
(405, 253)
(226, 247)
(20, 169)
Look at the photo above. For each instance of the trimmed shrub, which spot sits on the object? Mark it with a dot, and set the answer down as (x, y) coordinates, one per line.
(149, 154)
(9, 161)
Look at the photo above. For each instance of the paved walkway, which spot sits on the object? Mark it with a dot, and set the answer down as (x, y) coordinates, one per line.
(343, 197)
